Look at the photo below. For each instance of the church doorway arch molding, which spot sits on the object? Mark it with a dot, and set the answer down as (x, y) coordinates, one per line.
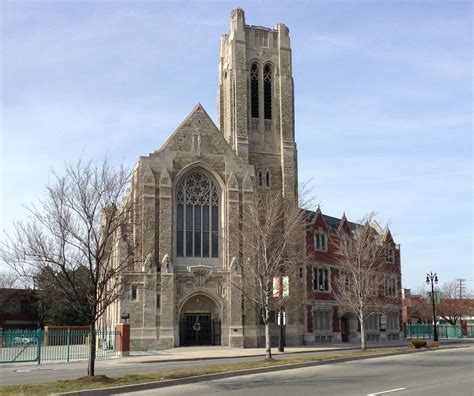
(199, 321)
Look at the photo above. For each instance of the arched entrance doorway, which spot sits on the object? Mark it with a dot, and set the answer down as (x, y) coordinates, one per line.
(199, 322)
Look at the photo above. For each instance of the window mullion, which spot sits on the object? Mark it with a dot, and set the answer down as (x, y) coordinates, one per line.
(184, 227)
(202, 231)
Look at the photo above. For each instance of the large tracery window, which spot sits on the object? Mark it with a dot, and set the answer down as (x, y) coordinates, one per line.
(267, 91)
(254, 90)
(197, 217)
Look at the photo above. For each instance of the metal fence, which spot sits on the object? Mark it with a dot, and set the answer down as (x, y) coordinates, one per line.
(59, 345)
(425, 331)
(470, 330)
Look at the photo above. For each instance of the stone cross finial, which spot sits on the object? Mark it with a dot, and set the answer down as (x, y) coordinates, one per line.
(234, 264)
(148, 263)
(166, 264)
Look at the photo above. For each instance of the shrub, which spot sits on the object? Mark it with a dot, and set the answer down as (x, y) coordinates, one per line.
(417, 343)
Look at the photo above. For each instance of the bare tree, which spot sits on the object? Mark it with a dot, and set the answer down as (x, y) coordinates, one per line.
(454, 305)
(272, 234)
(360, 257)
(419, 307)
(8, 279)
(75, 228)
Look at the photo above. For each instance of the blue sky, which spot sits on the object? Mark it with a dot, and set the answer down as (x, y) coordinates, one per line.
(383, 103)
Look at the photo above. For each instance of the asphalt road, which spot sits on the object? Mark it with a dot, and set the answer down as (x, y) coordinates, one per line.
(440, 372)
(32, 374)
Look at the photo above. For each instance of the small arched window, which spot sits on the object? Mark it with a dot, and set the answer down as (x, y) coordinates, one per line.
(267, 179)
(197, 217)
(260, 178)
(254, 90)
(267, 91)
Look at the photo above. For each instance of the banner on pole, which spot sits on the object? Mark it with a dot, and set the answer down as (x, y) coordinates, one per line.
(286, 286)
(437, 297)
(276, 286)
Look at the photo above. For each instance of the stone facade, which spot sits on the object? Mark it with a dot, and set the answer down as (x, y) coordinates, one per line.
(188, 195)
(173, 275)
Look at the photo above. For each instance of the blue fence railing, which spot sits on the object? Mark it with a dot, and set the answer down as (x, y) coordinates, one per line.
(58, 345)
(425, 331)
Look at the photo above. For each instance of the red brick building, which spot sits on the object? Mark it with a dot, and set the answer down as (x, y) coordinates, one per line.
(326, 321)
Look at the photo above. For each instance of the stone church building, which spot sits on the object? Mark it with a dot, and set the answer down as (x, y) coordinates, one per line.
(191, 191)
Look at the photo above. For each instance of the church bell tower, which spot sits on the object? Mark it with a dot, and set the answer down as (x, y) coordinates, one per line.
(256, 101)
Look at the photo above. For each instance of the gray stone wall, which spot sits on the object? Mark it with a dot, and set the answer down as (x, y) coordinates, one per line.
(231, 156)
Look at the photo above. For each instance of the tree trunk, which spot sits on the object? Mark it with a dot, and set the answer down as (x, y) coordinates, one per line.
(363, 346)
(92, 346)
(268, 345)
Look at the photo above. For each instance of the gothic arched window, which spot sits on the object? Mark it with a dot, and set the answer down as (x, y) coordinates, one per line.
(267, 91)
(254, 90)
(197, 217)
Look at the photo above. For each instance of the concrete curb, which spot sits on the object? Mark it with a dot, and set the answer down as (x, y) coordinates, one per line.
(230, 374)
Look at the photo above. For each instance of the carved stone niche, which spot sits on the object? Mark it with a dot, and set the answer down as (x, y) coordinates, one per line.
(201, 273)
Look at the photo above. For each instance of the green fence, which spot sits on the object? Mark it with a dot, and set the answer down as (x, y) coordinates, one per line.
(58, 345)
(425, 331)
(470, 330)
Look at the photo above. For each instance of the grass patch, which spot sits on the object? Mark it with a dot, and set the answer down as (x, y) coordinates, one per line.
(105, 382)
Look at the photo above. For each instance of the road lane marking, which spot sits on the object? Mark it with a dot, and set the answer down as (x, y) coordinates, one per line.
(387, 391)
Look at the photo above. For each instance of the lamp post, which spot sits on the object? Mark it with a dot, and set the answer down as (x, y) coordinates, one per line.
(281, 341)
(433, 279)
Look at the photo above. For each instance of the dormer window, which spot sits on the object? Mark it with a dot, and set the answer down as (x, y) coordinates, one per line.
(320, 241)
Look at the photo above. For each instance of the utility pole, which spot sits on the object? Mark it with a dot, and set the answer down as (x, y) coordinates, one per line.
(462, 287)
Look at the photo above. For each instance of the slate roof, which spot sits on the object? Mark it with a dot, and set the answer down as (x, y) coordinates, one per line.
(331, 222)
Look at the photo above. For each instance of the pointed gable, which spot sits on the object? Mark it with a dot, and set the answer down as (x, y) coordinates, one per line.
(319, 222)
(197, 134)
(232, 183)
(344, 225)
(388, 239)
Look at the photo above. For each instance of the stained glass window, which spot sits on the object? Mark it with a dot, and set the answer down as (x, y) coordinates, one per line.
(197, 217)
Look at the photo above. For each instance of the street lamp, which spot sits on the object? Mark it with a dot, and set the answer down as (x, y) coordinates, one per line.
(433, 278)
